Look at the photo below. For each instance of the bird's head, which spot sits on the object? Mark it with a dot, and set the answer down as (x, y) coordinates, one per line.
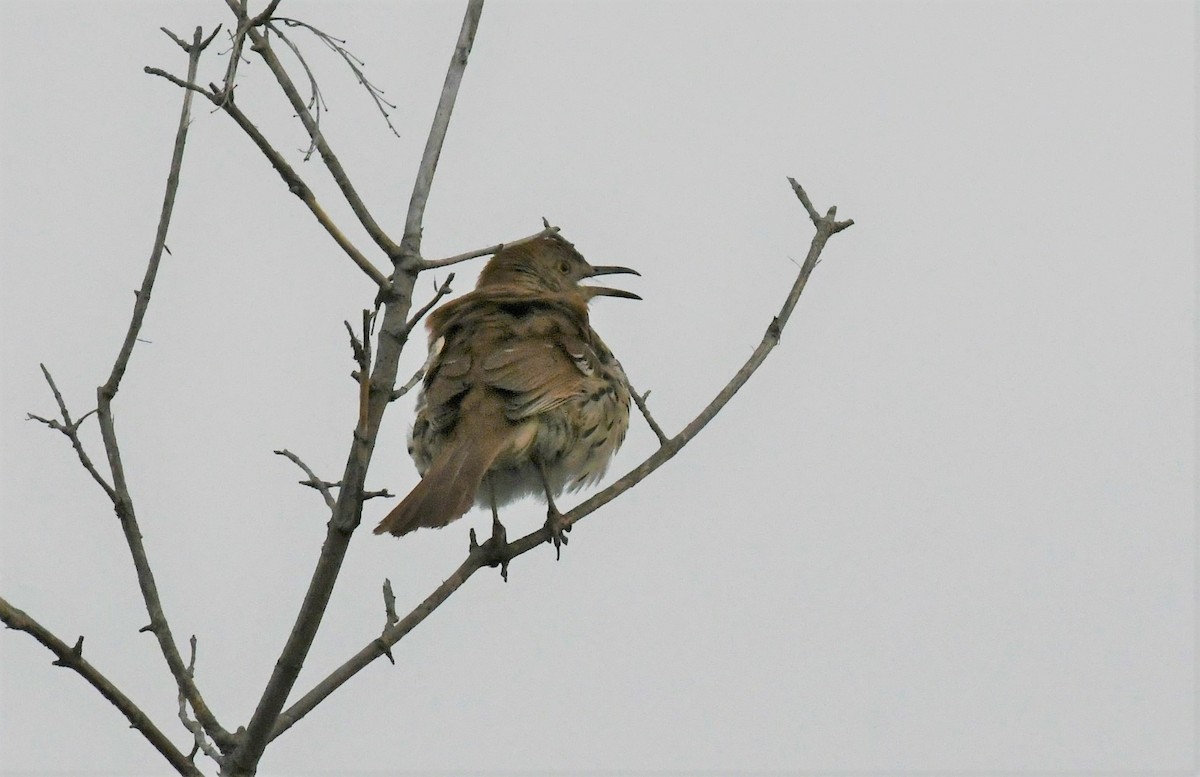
(549, 265)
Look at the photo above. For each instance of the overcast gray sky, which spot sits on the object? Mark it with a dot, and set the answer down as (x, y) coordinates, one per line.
(948, 526)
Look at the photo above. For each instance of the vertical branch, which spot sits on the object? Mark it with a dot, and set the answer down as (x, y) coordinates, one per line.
(347, 512)
(122, 501)
(411, 242)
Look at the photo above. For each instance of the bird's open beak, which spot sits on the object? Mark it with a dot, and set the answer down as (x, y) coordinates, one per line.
(604, 291)
(599, 291)
(611, 269)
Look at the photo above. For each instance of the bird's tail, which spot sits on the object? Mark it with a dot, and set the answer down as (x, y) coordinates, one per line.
(447, 489)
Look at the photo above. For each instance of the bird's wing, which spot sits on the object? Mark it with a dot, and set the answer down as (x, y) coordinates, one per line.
(534, 351)
(540, 368)
(447, 379)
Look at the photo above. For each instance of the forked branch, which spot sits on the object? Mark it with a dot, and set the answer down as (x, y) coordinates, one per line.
(262, 46)
(116, 486)
(347, 512)
(296, 184)
(105, 394)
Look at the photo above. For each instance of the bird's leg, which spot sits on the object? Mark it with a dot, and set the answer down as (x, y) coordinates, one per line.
(555, 522)
(499, 534)
(495, 545)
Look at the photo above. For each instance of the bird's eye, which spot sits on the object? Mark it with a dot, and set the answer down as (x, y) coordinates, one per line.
(564, 267)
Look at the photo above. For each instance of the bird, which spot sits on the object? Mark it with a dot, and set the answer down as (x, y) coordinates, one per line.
(520, 395)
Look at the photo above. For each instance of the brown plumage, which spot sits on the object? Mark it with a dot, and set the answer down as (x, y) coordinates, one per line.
(520, 395)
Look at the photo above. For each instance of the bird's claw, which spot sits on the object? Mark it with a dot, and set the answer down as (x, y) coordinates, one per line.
(494, 549)
(558, 526)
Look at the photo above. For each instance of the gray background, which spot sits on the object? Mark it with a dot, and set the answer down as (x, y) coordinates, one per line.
(948, 526)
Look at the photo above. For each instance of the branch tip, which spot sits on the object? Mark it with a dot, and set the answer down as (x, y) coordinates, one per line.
(389, 605)
(428, 264)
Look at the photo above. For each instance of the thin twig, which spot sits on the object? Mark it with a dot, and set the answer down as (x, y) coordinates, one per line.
(389, 604)
(362, 356)
(238, 36)
(71, 430)
(435, 263)
(295, 183)
(201, 741)
(364, 406)
(337, 45)
(442, 291)
(157, 71)
(313, 481)
(356, 347)
(332, 163)
(408, 386)
(72, 658)
(390, 616)
(316, 101)
(489, 555)
(187, 46)
(122, 501)
(298, 187)
(237, 39)
(381, 646)
(640, 401)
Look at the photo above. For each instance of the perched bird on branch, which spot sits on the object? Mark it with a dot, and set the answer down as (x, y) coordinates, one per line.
(520, 394)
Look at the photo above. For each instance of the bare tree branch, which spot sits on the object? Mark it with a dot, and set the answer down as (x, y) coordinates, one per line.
(122, 501)
(442, 291)
(201, 741)
(382, 645)
(411, 241)
(640, 401)
(390, 617)
(347, 513)
(488, 554)
(322, 486)
(72, 658)
(295, 183)
(362, 355)
(187, 47)
(407, 387)
(298, 187)
(155, 71)
(263, 47)
(71, 430)
(316, 100)
(337, 45)
(433, 264)
(238, 38)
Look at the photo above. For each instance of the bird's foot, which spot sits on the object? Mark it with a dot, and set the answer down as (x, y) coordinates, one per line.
(494, 550)
(558, 526)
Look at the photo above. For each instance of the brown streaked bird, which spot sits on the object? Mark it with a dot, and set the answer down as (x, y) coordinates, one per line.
(520, 394)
